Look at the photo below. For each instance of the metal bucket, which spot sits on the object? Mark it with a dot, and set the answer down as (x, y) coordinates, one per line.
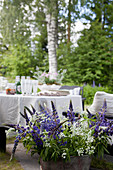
(76, 163)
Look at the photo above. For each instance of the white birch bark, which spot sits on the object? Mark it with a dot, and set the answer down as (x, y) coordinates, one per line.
(51, 33)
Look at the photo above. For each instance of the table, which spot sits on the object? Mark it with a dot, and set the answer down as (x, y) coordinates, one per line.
(12, 105)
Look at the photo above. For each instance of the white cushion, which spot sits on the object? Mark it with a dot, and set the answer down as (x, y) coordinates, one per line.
(98, 102)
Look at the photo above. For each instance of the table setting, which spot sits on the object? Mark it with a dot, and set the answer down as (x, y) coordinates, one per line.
(12, 103)
(32, 94)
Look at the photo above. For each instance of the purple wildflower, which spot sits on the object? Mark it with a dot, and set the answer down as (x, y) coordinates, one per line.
(101, 123)
(70, 113)
(93, 84)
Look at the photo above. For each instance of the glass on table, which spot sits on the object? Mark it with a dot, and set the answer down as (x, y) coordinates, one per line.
(28, 86)
(1, 79)
(28, 77)
(22, 77)
(35, 86)
(4, 85)
(23, 86)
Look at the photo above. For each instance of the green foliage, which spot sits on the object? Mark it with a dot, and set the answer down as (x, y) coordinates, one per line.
(16, 16)
(93, 56)
(102, 10)
(101, 164)
(5, 164)
(18, 60)
(67, 60)
(40, 51)
(15, 43)
(91, 60)
(90, 91)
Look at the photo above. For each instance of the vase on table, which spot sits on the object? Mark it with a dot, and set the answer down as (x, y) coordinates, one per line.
(46, 87)
(75, 163)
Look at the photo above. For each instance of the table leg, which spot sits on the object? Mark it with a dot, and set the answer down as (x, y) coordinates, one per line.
(2, 139)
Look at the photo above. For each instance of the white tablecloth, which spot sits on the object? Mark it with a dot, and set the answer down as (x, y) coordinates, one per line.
(12, 105)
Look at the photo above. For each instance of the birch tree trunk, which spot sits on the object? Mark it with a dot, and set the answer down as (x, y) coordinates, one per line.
(51, 34)
(69, 20)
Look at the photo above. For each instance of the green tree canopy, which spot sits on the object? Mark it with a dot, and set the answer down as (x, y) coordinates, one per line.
(94, 56)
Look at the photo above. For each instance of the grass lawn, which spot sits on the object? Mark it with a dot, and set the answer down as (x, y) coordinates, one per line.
(101, 164)
(5, 163)
(10, 140)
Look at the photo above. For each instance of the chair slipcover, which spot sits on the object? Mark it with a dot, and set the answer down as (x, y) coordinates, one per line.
(98, 102)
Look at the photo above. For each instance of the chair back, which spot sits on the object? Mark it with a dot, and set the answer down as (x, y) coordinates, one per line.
(72, 88)
(98, 102)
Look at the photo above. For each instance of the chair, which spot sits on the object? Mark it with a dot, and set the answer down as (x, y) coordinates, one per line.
(3, 138)
(73, 87)
(98, 101)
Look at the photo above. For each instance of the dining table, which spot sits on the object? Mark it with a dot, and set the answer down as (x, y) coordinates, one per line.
(12, 105)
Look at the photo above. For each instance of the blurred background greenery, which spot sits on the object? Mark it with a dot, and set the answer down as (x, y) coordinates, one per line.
(24, 44)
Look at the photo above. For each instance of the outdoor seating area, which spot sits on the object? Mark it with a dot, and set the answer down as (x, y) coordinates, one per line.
(56, 84)
(98, 96)
(11, 105)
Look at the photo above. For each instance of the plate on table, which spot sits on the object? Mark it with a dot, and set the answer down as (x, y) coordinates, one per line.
(54, 93)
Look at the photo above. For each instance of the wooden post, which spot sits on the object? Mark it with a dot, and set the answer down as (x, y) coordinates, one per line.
(2, 139)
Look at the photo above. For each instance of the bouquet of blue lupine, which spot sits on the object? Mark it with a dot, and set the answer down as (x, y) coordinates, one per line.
(55, 139)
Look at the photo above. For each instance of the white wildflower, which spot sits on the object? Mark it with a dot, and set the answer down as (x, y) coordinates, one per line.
(103, 127)
(80, 151)
(9, 131)
(47, 145)
(64, 155)
(62, 135)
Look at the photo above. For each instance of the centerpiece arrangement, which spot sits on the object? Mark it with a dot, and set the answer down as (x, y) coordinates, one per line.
(49, 81)
(64, 144)
(49, 78)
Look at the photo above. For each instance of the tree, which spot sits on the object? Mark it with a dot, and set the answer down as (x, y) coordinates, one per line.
(101, 10)
(54, 16)
(94, 56)
(48, 9)
(13, 18)
(15, 30)
(18, 60)
(51, 34)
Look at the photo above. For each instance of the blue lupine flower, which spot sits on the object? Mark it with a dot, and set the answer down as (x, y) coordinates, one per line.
(101, 121)
(70, 113)
(93, 84)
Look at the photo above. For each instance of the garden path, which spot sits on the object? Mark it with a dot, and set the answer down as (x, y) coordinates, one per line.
(27, 162)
